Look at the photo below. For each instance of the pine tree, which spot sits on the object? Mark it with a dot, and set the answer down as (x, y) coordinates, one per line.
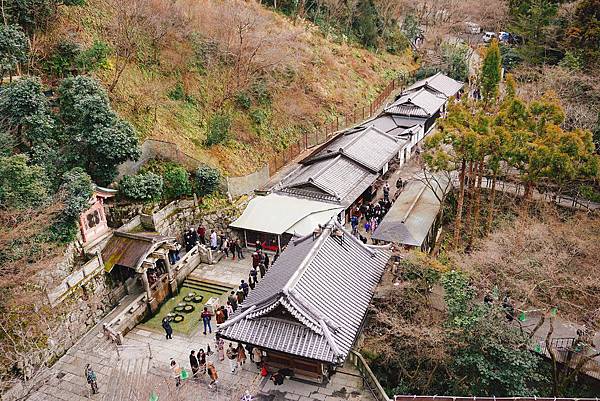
(491, 72)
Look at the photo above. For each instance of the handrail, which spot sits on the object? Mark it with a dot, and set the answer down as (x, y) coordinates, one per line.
(368, 376)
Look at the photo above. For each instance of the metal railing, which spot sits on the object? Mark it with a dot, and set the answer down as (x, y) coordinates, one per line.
(328, 130)
(369, 379)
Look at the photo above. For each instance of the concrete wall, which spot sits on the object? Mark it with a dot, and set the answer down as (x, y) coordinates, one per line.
(238, 186)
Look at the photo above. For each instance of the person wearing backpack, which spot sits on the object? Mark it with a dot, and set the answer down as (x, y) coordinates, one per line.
(232, 357)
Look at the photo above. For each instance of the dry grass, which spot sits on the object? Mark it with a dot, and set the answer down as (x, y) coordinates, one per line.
(542, 260)
(310, 78)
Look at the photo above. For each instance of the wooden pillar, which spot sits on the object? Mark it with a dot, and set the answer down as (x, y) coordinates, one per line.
(245, 239)
(279, 242)
(150, 299)
(172, 281)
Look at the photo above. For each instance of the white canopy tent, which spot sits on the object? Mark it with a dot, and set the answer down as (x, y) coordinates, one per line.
(278, 214)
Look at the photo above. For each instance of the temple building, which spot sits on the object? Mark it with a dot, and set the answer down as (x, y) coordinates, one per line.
(308, 311)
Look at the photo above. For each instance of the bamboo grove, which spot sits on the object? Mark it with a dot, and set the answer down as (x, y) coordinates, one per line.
(503, 136)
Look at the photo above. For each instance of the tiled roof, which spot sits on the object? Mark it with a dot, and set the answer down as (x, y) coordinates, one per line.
(313, 299)
(413, 213)
(420, 103)
(339, 180)
(439, 83)
(395, 125)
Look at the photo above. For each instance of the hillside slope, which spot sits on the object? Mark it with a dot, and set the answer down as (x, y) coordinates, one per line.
(249, 78)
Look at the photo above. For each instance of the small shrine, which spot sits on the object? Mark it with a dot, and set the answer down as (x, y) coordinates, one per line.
(92, 222)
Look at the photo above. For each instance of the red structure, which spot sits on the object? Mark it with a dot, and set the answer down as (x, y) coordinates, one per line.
(92, 222)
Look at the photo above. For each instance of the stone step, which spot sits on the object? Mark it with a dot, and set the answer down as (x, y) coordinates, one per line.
(207, 284)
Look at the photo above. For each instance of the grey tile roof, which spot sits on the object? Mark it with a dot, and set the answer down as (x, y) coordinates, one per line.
(367, 146)
(313, 299)
(438, 83)
(340, 180)
(419, 103)
(396, 125)
(412, 215)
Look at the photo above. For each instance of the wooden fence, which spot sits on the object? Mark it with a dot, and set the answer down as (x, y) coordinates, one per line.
(328, 130)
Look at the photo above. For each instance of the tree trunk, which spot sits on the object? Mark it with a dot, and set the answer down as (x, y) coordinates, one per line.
(470, 185)
(475, 226)
(490, 216)
(459, 205)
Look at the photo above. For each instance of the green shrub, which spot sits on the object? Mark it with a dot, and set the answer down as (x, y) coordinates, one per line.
(218, 129)
(63, 58)
(176, 181)
(177, 93)
(260, 92)
(396, 42)
(14, 48)
(21, 186)
(94, 58)
(243, 100)
(258, 116)
(145, 187)
(74, 193)
(207, 180)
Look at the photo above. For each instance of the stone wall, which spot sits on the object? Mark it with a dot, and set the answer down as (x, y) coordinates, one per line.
(83, 309)
(177, 217)
(237, 186)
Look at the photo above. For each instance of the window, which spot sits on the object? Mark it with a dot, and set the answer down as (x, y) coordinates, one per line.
(93, 219)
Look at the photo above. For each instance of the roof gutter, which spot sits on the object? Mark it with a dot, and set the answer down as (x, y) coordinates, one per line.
(236, 318)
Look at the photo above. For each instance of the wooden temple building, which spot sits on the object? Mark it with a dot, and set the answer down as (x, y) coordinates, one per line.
(308, 311)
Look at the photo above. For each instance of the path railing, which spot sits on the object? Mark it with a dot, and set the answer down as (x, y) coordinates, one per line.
(327, 130)
(369, 379)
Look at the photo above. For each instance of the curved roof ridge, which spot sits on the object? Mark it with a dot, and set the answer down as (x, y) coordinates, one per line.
(307, 260)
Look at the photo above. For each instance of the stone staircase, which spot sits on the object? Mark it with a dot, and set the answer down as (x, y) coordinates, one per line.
(129, 378)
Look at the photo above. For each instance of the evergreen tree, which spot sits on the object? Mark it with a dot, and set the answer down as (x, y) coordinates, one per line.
(14, 49)
(491, 72)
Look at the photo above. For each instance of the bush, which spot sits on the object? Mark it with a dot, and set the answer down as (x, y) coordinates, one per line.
(146, 187)
(94, 58)
(258, 116)
(14, 48)
(243, 100)
(456, 58)
(62, 60)
(218, 129)
(21, 186)
(75, 193)
(396, 42)
(176, 183)
(207, 180)
(177, 93)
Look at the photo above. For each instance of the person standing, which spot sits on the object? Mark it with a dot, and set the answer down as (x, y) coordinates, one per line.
(194, 364)
(240, 296)
(251, 282)
(241, 355)
(176, 372)
(257, 356)
(232, 300)
(212, 373)
(225, 247)
(232, 248)
(219, 316)
(221, 349)
(253, 276)
(266, 261)
(238, 248)
(90, 376)
(386, 191)
(244, 288)
(168, 329)
(276, 255)
(259, 246)
(229, 309)
(202, 234)
(213, 240)
(202, 361)
(255, 259)
(262, 269)
(232, 357)
(206, 317)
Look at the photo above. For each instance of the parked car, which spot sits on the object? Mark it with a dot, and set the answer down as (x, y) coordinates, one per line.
(488, 36)
(504, 37)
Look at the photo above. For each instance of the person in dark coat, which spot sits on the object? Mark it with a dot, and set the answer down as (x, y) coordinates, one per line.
(276, 255)
(233, 300)
(262, 269)
(194, 364)
(240, 296)
(259, 246)
(244, 287)
(266, 261)
(253, 276)
(225, 312)
(251, 282)
(168, 329)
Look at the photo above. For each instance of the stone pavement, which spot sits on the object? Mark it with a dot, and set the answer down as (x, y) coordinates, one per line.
(140, 366)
